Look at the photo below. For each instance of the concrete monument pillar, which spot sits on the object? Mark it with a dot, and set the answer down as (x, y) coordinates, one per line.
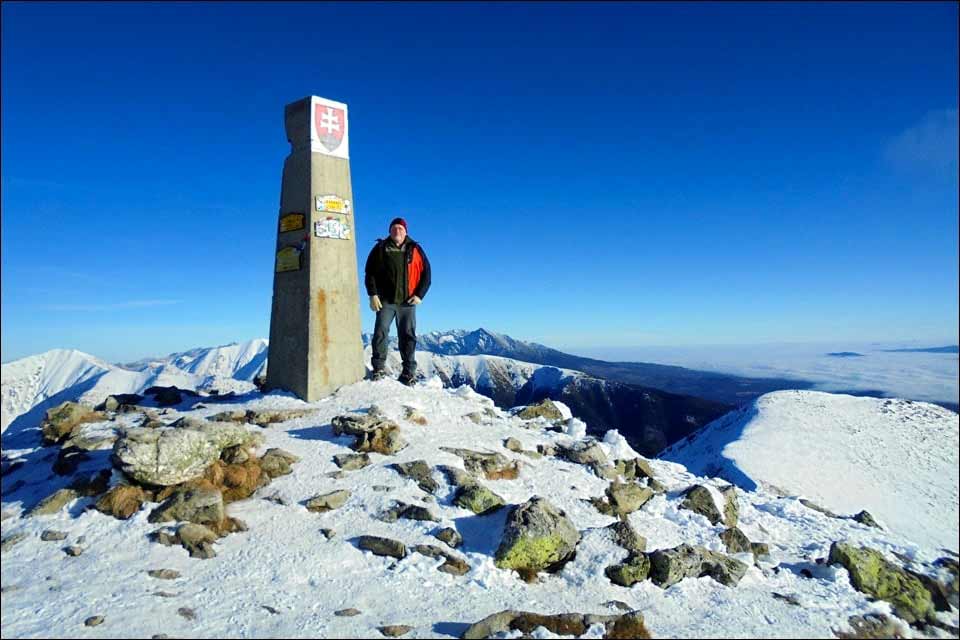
(315, 343)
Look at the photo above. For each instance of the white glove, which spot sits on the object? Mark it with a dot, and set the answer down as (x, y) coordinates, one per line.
(375, 304)
(414, 300)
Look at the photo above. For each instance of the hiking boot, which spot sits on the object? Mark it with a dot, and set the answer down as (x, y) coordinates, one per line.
(378, 374)
(407, 378)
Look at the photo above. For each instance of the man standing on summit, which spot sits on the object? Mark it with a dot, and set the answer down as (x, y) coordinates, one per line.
(397, 276)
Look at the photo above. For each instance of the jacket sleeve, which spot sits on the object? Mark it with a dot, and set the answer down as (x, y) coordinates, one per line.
(369, 271)
(424, 283)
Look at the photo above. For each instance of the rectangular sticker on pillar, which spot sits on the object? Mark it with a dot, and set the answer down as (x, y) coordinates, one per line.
(332, 227)
(288, 259)
(333, 204)
(292, 222)
(329, 133)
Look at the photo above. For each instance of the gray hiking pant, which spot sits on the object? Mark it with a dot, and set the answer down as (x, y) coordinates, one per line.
(406, 317)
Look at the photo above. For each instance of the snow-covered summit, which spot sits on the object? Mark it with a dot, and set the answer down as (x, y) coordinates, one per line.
(898, 459)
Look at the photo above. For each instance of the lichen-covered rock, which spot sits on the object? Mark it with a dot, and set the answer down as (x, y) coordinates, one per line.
(670, 566)
(277, 462)
(372, 432)
(492, 466)
(864, 518)
(537, 536)
(544, 409)
(328, 501)
(735, 540)
(54, 502)
(418, 471)
(122, 501)
(477, 498)
(60, 421)
(627, 497)
(509, 622)
(382, 546)
(634, 569)
(874, 575)
(699, 500)
(200, 503)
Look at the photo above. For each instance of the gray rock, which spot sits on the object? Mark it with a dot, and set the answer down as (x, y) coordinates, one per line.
(457, 477)
(187, 613)
(412, 414)
(73, 550)
(537, 536)
(512, 444)
(409, 512)
(477, 499)
(547, 449)
(492, 466)
(382, 546)
(395, 630)
(351, 461)
(54, 502)
(164, 574)
(372, 433)
(587, 453)
(200, 504)
(328, 533)
(59, 422)
(450, 536)
(197, 540)
(277, 462)
(164, 456)
(626, 498)
(627, 537)
(347, 612)
(866, 519)
(634, 569)
(508, 622)
(870, 625)
(731, 508)
(813, 505)
(50, 535)
(670, 566)
(328, 501)
(735, 541)
(94, 621)
(12, 539)
(418, 471)
(544, 409)
(113, 402)
(699, 500)
(237, 454)
(451, 564)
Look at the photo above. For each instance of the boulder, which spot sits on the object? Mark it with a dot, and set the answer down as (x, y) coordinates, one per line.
(450, 536)
(54, 502)
(588, 453)
(122, 501)
(351, 461)
(544, 409)
(634, 569)
(537, 536)
(452, 564)
(408, 512)
(627, 537)
(113, 402)
(670, 566)
(731, 508)
(197, 540)
(875, 576)
(627, 497)
(418, 471)
(508, 623)
(492, 466)
(382, 546)
(277, 462)
(866, 519)
(200, 503)
(477, 498)
(512, 444)
(735, 541)
(328, 501)
(372, 433)
(699, 500)
(60, 421)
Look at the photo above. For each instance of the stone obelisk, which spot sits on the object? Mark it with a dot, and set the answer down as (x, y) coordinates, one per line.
(315, 343)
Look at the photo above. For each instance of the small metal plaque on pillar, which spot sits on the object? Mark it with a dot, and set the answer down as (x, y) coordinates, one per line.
(315, 344)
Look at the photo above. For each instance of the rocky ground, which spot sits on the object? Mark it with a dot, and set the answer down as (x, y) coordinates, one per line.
(424, 512)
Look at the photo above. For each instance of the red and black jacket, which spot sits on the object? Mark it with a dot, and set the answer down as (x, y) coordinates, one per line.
(378, 281)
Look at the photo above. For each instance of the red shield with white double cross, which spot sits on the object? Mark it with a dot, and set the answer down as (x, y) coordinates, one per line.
(330, 123)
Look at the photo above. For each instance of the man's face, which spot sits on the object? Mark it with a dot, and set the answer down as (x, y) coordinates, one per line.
(398, 233)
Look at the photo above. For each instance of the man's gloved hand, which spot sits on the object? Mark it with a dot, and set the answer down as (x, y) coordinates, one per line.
(414, 300)
(375, 304)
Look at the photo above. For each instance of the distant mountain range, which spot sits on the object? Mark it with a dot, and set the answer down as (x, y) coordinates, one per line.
(953, 348)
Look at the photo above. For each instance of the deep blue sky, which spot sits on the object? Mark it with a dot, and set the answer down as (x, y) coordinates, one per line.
(580, 175)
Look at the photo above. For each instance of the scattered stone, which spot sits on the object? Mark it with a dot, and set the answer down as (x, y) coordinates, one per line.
(113, 403)
(627, 537)
(789, 598)
(395, 630)
(409, 512)
(813, 505)
(478, 499)
(587, 453)
(121, 501)
(277, 498)
(54, 502)
(412, 414)
(12, 539)
(634, 569)
(512, 444)
(874, 575)
(474, 416)
(451, 563)
(537, 536)
(382, 546)
(450, 536)
(187, 613)
(670, 566)
(73, 550)
(94, 621)
(626, 498)
(547, 449)
(165, 594)
(263, 417)
(164, 574)
(866, 519)
(731, 508)
(382, 488)
(277, 462)
(328, 533)
(508, 622)
(759, 549)
(418, 471)
(373, 433)
(545, 409)
(871, 625)
(351, 461)
(617, 604)
(270, 609)
(492, 466)
(50, 535)
(200, 503)
(699, 500)
(197, 540)
(349, 613)
(60, 421)
(457, 477)
(735, 540)
(328, 501)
